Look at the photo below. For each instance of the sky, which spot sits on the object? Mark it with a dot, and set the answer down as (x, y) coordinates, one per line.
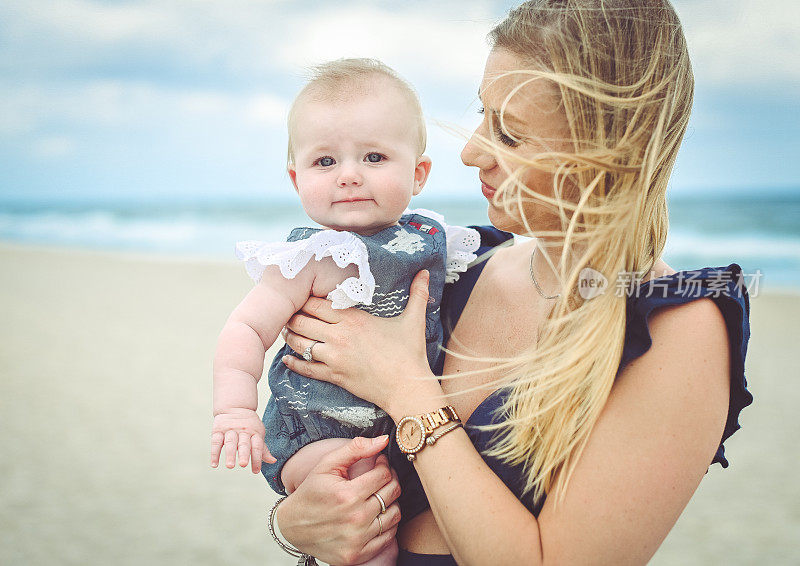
(186, 99)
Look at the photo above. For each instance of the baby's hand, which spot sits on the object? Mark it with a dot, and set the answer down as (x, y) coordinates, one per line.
(239, 430)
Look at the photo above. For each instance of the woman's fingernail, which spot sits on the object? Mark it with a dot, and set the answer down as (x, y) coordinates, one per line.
(380, 439)
(285, 359)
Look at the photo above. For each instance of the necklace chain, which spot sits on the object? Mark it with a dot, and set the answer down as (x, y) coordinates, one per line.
(536, 283)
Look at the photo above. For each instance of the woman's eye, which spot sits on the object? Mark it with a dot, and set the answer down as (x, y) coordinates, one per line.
(505, 138)
(325, 161)
(375, 157)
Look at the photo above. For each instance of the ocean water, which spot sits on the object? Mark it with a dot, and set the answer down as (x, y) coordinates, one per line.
(759, 231)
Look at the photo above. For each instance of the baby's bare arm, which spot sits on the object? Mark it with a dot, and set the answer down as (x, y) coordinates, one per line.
(250, 330)
(239, 360)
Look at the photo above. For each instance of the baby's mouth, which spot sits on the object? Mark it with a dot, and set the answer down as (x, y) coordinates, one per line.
(351, 200)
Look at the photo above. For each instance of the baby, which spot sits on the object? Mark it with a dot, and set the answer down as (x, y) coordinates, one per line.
(356, 143)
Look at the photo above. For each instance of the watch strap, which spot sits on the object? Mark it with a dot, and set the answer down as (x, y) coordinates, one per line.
(439, 417)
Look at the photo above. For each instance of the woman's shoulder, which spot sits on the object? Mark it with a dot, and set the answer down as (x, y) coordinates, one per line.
(705, 311)
(703, 294)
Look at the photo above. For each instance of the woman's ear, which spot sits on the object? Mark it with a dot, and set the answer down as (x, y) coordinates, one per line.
(421, 173)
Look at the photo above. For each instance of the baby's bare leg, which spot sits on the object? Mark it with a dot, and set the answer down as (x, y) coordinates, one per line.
(297, 468)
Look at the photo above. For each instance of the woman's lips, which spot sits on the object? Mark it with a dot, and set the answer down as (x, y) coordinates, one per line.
(488, 191)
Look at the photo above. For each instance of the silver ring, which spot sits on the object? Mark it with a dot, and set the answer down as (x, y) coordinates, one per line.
(380, 524)
(307, 353)
(380, 500)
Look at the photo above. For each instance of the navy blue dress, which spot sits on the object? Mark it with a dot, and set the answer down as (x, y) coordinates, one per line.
(724, 285)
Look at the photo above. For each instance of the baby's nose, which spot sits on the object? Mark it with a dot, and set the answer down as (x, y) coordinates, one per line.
(349, 176)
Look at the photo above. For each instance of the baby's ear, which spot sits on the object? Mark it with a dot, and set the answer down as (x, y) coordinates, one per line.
(293, 176)
(421, 173)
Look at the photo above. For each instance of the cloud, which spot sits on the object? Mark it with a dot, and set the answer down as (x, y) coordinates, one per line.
(733, 42)
(241, 38)
(79, 64)
(54, 146)
(112, 104)
(420, 40)
(744, 42)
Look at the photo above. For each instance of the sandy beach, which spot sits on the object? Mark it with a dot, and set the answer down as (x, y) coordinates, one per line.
(105, 396)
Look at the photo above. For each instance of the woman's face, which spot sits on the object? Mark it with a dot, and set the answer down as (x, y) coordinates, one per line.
(533, 122)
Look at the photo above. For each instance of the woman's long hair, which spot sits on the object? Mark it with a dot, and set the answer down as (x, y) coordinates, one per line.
(626, 85)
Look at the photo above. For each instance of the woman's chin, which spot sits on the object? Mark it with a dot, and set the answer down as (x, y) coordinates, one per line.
(502, 221)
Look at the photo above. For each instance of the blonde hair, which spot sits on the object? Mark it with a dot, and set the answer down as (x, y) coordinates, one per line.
(626, 85)
(346, 79)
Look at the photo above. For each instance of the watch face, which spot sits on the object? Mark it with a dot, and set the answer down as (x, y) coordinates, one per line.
(409, 434)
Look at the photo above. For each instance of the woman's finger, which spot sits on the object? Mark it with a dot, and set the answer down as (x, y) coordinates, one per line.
(377, 544)
(322, 309)
(389, 493)
(300, 343)
(418, 295)
(314, 370)
(341, 459)
(392, 516)
(373, 481)
(309, 327)
(388, 520)
(392, 490)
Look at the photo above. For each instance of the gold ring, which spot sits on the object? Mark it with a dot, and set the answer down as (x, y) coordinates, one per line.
(380, 500)
(380, 524)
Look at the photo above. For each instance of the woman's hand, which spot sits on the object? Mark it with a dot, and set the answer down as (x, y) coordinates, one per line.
(381, 360)
(334, 518)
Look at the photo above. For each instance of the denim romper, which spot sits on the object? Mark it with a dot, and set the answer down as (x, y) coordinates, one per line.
(302, 410)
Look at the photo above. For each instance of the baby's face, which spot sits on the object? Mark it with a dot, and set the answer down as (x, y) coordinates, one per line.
(356, 164)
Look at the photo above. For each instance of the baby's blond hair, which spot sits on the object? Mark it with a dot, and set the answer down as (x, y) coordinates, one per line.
(346, 79)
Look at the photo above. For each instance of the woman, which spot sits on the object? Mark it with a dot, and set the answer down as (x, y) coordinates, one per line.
(595, 382)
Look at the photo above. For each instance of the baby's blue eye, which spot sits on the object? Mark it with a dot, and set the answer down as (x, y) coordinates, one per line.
(375, 157)
(326, 161)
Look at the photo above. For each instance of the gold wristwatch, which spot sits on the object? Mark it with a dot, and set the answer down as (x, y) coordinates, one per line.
(413, 433)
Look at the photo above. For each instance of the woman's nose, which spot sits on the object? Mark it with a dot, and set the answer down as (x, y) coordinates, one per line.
(475, 155)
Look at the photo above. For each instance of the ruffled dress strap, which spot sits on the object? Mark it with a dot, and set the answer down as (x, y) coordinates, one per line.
(462, 243)
(723, 285)
(455, 297)
(345, 248)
